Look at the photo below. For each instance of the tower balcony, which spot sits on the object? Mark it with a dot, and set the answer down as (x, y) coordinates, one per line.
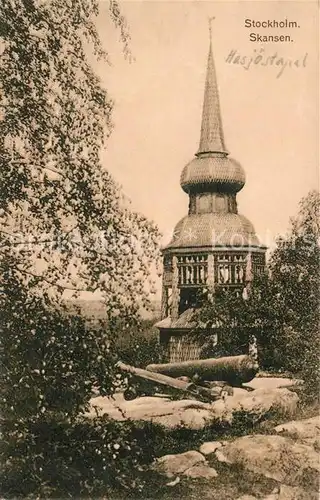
(219, 267)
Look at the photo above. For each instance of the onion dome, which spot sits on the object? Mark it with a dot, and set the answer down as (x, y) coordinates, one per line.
(214, 230)
(213, 172)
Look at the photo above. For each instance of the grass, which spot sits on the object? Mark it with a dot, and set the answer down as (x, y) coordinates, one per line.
(232, 482)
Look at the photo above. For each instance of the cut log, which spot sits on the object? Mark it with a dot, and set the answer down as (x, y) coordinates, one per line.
(234, 370)
(200, 393)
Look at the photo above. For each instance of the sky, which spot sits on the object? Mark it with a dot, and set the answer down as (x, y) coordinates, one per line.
(270, 124)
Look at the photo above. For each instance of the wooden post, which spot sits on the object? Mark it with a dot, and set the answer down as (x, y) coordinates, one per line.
(248, 272)
(175, 290)
(253, 348)
(164, 302)
(210, 277)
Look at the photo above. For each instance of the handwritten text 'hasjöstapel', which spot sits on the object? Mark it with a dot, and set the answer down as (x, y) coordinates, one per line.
(260, 58)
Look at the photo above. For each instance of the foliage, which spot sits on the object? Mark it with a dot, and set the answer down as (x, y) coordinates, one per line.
(294, 287)
(294, 267)
(63, 217)
(50, 361)
(65, 228)
(141, 347)
(282, 309)
(226, 309)
(87, 459)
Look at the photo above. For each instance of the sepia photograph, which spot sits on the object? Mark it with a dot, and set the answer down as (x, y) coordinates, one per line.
(160, 250)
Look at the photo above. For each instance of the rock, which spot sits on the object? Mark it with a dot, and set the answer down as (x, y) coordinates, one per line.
(222, 458)
(273, 495)
(196, 415)
(174, 482)
(172, 465)
(272, 383)
(257, 403)
(275, 457)
(237, 391)
(247, 497)
(201, 471)
(209, 447)
(314, 442)
(306, 430)
(190, 418)
(171, 414)
(144, 401)
(106, 406)
(296, 493)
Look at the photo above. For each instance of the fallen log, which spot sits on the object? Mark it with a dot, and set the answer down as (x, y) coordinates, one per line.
(184, 388)
(234, 370)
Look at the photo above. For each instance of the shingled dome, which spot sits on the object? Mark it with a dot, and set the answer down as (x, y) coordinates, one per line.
(214, 230)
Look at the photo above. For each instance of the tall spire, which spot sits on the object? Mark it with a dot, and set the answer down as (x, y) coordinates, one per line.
(211, 139)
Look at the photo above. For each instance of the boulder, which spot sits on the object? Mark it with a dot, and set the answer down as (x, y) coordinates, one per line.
(272, 383)
(172, 465)
(296, 493)
(307, 430)
(174, 482)
(222, 458)
(258, 403)
(103, 405)
(169, 413)
(209, 447)
(238, 391)
(196, 415)
(201, 471)
(275, 457)
(247, 497)
(190, 418)
(272, 496)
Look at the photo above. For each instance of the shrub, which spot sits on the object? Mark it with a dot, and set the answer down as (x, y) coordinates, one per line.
(90, 458)
(282, 308)
(50, 362)
(141, 350)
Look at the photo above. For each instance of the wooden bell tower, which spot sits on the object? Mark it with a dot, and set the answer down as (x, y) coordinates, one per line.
(213, 245)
